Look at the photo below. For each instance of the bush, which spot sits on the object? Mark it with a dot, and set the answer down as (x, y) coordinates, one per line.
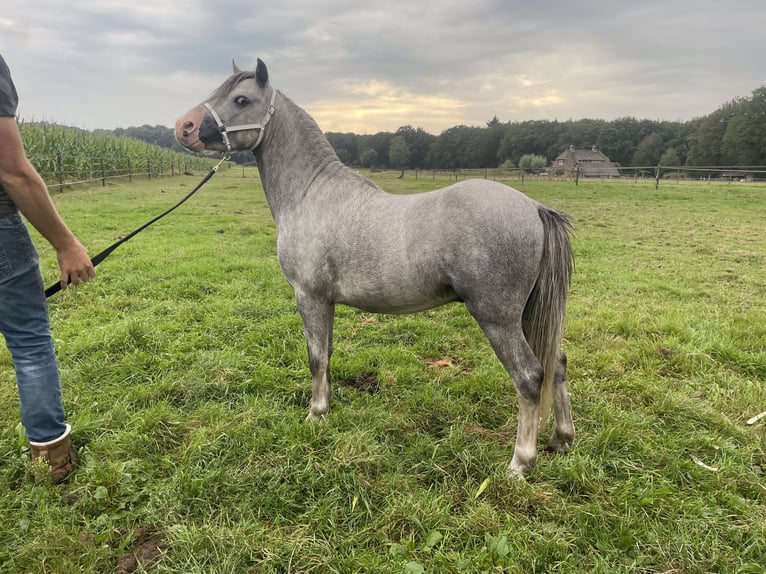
(531, 162)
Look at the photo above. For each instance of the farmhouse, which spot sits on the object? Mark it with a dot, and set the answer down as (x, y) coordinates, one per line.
(591, 163)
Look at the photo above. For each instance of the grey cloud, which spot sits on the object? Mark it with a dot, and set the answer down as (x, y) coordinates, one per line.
(518, 60)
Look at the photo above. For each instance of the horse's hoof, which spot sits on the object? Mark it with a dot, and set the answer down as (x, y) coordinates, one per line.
(312, 418)
(515, 473)
(559, 445)
(518, 469)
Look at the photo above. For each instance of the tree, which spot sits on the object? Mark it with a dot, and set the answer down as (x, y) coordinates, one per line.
(618, 140)
(368, 158)
(445, 150)
(670, 158)
(399, 153)
(705, 148)
(418, 142)
(583, 134)
(531, 162)
(744, 141)
(345, 145)
(380, 142)
(343, 156)
(538, 137)
(649, 151)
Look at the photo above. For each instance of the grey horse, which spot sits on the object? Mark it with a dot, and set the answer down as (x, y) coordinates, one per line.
(343, 240)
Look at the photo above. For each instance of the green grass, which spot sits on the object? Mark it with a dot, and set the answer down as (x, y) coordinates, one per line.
(186, 381)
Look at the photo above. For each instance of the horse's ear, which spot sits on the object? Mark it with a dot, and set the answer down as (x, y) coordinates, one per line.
(261, 74)
(234, 68)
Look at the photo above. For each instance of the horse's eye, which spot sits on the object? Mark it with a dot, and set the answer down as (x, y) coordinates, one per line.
(241, 101)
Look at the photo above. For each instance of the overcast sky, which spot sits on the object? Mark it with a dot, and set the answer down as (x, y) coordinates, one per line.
(369, 66)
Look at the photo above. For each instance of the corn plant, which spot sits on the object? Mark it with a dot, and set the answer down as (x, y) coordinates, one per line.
(66, 155)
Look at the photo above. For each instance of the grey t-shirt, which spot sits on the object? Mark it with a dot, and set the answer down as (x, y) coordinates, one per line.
(9, 101)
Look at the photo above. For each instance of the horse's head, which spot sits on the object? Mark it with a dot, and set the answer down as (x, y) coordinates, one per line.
(234, 117)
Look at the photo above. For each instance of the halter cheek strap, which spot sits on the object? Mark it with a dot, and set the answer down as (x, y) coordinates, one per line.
(260, 126)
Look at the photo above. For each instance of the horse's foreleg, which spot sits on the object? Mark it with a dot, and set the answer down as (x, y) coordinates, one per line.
(564, 432)
(317, 324)
(514, 353)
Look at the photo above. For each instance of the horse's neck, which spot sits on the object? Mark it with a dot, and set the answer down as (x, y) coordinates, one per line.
(292, 156)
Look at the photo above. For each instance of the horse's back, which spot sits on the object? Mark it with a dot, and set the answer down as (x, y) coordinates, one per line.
(480, 212)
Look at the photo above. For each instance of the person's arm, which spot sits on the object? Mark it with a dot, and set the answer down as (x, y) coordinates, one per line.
(28, 191)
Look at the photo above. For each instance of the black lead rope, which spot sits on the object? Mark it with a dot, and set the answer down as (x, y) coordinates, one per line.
(56, 287)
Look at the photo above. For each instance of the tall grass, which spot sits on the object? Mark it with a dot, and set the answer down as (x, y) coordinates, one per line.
(186, 381)
(65, 154)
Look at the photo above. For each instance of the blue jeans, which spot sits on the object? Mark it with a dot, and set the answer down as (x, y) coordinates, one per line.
(24, 324)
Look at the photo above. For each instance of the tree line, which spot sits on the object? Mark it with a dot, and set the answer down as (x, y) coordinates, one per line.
(733, 135)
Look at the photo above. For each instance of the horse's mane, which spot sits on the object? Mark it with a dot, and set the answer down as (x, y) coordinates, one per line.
(312, 134)
(231, 82)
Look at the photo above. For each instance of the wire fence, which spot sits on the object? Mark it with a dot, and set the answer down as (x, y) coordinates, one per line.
(60, 170)
(655, 174)
(708, 173)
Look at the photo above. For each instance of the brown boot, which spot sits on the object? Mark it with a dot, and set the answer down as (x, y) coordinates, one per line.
(58, 454)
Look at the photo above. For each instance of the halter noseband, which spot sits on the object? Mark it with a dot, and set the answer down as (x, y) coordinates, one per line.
(260, 126)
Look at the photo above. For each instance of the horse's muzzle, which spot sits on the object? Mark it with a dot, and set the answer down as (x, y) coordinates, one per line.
(188, 129)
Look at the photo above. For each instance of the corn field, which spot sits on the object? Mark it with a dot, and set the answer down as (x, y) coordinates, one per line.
(66, 155)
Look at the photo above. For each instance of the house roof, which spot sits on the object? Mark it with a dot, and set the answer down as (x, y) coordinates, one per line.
(583, 155)
(591, 162)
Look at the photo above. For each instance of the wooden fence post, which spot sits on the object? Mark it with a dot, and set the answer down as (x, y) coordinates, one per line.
(60, 170)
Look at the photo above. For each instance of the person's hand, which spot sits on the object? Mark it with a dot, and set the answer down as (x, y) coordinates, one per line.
(75, 264)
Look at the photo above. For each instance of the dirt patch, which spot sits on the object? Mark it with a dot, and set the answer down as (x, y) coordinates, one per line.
(444, 363)
(666, 353)
(147, 550)
(366, 383)
(503, 435)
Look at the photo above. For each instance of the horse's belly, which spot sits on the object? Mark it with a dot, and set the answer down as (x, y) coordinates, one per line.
(397, 300)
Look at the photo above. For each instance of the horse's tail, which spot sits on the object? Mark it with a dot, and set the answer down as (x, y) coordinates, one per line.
(546, 307)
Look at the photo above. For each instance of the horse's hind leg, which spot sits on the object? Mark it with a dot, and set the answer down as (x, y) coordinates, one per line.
(317, 319)
(527, 374)
(564, 432)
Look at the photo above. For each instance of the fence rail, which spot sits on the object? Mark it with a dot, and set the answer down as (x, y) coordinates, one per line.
(60, 171)
(656, 174)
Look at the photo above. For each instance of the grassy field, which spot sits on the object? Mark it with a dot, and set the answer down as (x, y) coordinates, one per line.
(186, 381)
